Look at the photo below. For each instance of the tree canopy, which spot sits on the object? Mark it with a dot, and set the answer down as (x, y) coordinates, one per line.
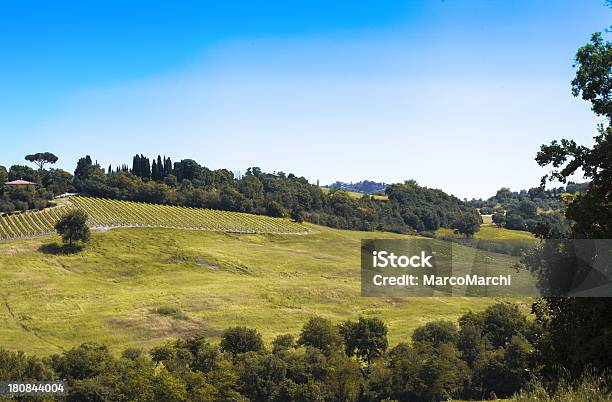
(73, 227)
(436, 365)
(578, 329)
(40, 159)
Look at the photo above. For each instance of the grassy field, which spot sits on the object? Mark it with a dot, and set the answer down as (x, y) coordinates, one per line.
(492, 232)
(487, 219)
(356, 195)
(140, 286)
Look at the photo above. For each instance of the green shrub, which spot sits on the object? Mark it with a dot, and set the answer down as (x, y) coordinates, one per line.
(173, 312)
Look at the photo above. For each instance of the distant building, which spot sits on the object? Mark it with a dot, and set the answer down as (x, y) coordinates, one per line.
(20, 182)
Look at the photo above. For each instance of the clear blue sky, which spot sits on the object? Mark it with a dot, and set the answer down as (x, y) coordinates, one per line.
(455, 94)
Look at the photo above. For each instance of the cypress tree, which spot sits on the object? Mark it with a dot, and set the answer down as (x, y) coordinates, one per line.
(146, 167)
(167, 166)
(135, 162)
(160, 169)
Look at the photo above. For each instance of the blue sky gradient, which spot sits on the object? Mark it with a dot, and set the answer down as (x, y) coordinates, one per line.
(455, 94)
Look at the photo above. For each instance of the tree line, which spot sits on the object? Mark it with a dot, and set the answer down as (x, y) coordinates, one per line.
(410, 208)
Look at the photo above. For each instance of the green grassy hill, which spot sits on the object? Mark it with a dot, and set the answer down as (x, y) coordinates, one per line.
(492, 232)
(139, 286)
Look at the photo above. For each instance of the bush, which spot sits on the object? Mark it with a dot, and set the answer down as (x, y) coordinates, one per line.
(499, 219)
(85, 361)
(275, 209)
(515, 222)
(504, 371)
(366, 338)
(6, 206)
(422, 372)
(20, 205)
(436, 332)
(321, 334)
(282, 343)
(18, 366)
(501, 322)
(470, 341)
(297, 214)
(260, 375)
(467, 223)
(238, 340)
(591, 386)
(173, 312)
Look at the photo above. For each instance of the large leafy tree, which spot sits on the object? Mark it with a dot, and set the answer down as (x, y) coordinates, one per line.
(578, 331)
(321, 334)
(591, 211)
(468, 223)
(367, 338)
(238, 340)
(592, 81)
(73, 227)
(17, 172)
(84, 168)
(40, 159)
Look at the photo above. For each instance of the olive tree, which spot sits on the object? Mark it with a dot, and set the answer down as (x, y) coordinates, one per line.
(73, 227)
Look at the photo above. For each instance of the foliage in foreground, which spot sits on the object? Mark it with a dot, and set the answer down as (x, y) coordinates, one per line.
(578, 330)
(589, 387)
(487, 354)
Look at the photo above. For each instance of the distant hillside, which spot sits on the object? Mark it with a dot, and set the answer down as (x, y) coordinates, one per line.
(549, 199)
(363, 187)
(528, 209)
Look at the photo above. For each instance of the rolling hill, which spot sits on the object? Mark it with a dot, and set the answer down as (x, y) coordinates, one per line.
(138, 286)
